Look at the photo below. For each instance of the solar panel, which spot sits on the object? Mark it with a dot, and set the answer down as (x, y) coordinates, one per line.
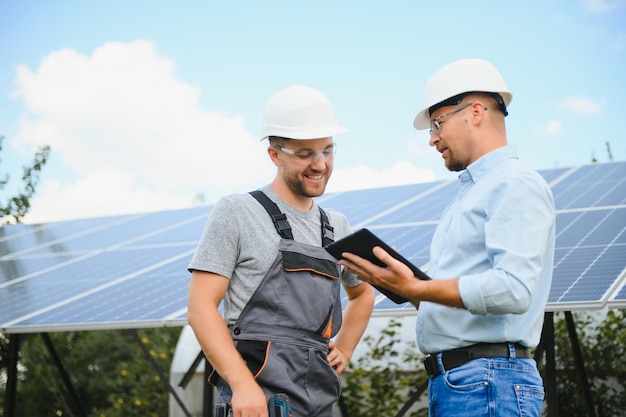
(365, 205)
(596, 185)
(98, 273)
(130, 271)
(552, 174)
(161, 287)
(426, 207)
(618, 300)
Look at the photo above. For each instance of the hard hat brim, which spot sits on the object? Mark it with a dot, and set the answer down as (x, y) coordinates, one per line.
(305, 134)
(422, 119)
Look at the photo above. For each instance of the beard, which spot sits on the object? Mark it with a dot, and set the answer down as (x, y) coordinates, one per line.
(454, 164)
(300, 188)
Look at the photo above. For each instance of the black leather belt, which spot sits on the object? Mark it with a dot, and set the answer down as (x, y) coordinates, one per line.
(457, 357)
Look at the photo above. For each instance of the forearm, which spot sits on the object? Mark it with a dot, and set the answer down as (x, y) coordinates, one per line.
(206, 291)
(398, 278)
(214, 337)
(444, 292)
(355, 319)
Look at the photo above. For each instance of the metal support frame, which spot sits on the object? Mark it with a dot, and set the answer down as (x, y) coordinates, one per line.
(207, 393)
(162, 375)
(191, 371)
(11, 387)
(413, 398)
(548, 342)
(342, 407)
(207, 390)
(580, 363)
(65, 377)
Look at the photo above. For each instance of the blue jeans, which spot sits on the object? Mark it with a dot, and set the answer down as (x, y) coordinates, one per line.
(487, 387)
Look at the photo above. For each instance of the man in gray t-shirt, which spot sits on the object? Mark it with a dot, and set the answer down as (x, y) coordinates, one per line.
(280, 289)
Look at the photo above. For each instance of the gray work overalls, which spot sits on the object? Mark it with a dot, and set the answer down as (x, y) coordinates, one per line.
(284, 330)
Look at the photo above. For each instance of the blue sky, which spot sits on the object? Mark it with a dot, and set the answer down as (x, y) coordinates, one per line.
(147, 104)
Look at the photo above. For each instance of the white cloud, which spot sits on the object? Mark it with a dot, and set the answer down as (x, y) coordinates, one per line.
(582, 105)
(603, 6)
(104, 193)
(551, 128)
(362, 177)
(122, 110)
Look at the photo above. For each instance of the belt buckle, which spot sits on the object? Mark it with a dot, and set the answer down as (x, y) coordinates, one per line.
(430, 364)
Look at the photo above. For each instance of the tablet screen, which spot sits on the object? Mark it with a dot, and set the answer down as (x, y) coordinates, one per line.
(361, 243)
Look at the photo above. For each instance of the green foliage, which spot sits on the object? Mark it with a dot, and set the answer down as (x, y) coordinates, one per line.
(379, 385)
(4, 359)
(109, 371)
(16, 207)
(603, 345)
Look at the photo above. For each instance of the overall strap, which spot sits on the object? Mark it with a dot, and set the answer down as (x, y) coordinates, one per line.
(328, 232)
(279, 219)
(281, 223)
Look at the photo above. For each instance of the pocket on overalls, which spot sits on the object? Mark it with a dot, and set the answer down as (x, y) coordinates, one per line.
(254, 353)
(214, 378)
(312, 285)
(294, 262)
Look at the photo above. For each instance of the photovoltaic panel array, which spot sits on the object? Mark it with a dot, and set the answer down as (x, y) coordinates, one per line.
(618, 300)
(591, 236)
(111, 272)
(130, 271)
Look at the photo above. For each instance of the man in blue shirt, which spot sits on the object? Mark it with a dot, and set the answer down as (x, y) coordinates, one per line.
(491, 256)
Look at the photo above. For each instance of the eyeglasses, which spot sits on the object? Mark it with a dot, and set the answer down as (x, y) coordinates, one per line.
(435, 125)
(310, 155)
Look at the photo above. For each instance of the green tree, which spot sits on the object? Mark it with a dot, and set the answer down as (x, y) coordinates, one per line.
(380, 384)
(15, 208)
(12, 211)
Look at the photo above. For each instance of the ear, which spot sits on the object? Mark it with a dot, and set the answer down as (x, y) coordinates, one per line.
(478, 112)
(273, 153)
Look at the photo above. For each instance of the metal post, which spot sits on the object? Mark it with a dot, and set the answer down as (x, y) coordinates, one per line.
(162, 375)
(191, 371)
(64, 375)
(207, 393)
(414, 397)
(11, 387)
(580, 364)
(550, 383)
(342, 407)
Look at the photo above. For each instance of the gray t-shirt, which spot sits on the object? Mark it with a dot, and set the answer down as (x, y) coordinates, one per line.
(240, 242)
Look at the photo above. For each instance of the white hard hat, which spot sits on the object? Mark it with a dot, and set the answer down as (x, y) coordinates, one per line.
(299, 112)
(463, 76)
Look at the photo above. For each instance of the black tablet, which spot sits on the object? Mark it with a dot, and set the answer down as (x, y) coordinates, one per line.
(361, 243)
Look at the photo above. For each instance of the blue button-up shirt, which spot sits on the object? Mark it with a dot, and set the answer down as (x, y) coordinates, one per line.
(498, 238)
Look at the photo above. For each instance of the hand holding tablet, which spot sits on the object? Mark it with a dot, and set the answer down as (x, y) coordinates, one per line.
(361, 243)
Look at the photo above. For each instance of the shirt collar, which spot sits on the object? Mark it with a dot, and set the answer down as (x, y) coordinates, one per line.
(485, 163)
